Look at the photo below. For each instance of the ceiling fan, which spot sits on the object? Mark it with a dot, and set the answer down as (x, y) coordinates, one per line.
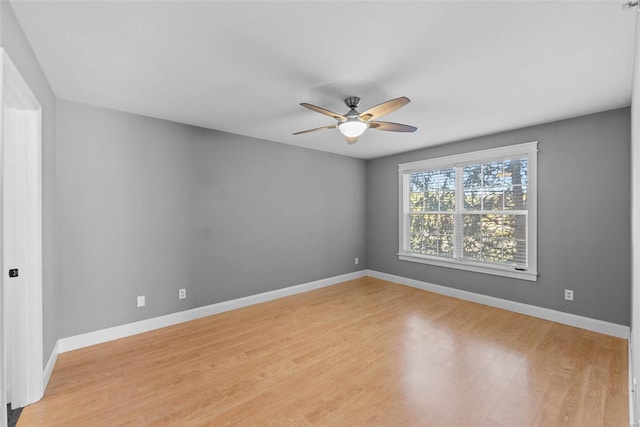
(353, 124)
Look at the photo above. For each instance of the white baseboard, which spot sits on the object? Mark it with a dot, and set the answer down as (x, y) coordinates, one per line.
(103, 335)
(48, 370)
(595, 325)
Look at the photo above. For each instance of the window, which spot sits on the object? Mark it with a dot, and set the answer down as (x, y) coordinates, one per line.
(474, 211)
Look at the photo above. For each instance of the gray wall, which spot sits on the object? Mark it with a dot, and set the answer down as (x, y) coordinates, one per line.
(13, 40)
(583, 218)
(146, 207)
(269, 215)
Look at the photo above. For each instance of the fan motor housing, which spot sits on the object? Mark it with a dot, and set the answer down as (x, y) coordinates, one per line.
(352, 102)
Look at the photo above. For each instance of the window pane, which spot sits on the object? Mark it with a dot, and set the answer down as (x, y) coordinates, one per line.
(417, 182)
(515, 198)
(492, 200)
(492, 236)
(472, 176)
(472, 247)
(515, 244)
(472, 240)
(431, 246)
(516, 180)
(449, 179)
(431, 201)
(520, 253)
(492, 174)
(416, 234)
(491, 249)
(445, 224)
(472, 200)
(509, 202)
(521, 171)
(491, 224)
(446, 246)
(447, 200)
(471, 225)
(416, 202)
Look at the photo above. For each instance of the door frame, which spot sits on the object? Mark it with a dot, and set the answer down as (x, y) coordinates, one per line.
(26, 344)
(634, 346)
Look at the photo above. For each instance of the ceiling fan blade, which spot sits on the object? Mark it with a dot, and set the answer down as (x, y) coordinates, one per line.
(393, 127)
(315, 129)
(338, 117)
(384, 108)
(352, 139)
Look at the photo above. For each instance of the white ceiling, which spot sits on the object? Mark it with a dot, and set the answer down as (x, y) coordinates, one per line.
(470, 68)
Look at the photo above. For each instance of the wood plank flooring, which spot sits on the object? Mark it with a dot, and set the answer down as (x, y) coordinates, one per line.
(364, 352)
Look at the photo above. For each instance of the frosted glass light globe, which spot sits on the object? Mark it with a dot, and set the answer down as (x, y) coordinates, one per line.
(352, 127)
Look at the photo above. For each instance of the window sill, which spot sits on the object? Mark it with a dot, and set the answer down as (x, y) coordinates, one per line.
(497, 271)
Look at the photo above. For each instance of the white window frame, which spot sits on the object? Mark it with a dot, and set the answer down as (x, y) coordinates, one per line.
(528, 149)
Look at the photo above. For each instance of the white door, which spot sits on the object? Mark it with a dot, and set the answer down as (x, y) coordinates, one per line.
(15, 233)
(21, 364)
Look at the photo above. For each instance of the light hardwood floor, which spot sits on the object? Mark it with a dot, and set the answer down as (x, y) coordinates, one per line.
(364, 352)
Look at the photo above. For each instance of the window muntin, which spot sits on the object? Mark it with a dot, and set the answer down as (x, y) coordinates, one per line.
(472, 210)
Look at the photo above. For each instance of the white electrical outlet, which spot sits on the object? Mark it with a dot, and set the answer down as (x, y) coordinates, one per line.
(568, 294)
(141, 301)
(182, 293)
(357, 261)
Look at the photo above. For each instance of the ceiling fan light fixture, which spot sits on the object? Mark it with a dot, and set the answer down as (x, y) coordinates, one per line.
(353, 124)
(352, 127)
